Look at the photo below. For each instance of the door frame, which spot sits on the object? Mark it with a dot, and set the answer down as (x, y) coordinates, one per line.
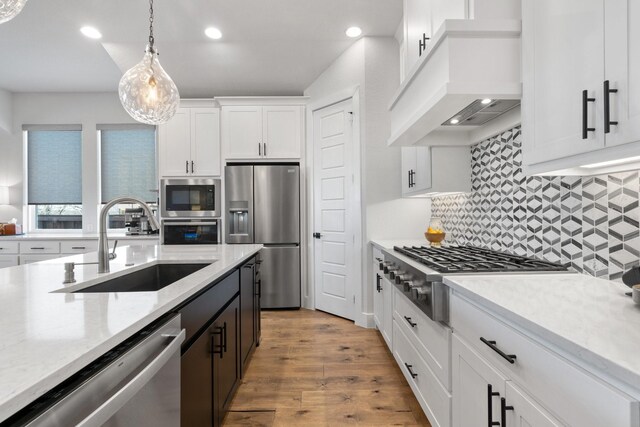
(357, 218)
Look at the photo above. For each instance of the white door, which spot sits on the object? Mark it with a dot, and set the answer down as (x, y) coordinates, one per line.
(242, 132)
(333, 219)
(282, 131)
(205, 142)
(417, 23)
(623, 69)
(472, 377)
(524, 411)
(563, 55)
(174, 141)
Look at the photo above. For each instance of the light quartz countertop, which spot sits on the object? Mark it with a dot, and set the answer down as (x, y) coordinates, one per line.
(49, 334)
(75, 236)
(589, 319)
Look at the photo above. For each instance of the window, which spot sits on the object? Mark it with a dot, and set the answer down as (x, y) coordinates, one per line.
(128, 167)
(54, 176)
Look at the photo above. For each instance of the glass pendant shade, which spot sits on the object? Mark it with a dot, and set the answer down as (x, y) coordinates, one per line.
(147, 92)
(10, 8)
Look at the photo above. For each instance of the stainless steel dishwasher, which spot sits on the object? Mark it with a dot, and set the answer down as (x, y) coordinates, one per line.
(135, 384)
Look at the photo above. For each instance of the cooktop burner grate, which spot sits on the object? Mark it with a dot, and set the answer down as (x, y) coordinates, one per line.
(470, 259)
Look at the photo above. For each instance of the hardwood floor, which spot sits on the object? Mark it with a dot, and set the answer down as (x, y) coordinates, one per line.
(315, 369)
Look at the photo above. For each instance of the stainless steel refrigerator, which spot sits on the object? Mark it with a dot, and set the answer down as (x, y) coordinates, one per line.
(263, 206)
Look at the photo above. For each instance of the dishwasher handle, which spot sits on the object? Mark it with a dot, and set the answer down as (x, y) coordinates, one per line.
(105, 411)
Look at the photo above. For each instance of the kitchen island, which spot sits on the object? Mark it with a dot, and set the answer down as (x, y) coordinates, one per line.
(50, 333)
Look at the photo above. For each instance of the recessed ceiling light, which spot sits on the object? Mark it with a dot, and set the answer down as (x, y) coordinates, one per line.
(487, 101)
(91, 32)
(213, 33)
(454, 121)
(353, 31)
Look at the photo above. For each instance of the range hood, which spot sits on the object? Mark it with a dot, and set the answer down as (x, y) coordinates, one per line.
(468, 79)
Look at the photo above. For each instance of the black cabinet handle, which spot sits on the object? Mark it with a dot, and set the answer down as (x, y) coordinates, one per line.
(259, 149)
(78, 247)
(490, 395)
(511, 358)
(409, 178)
(378, 279)
(224, 335)
(413, 374)
(412, 324)
(217, 349)
(191, 166)
(39, 248)
(585, 114)
(503, 411)
(422, 44)
(607, 107)
(186, 166)
(264, 149)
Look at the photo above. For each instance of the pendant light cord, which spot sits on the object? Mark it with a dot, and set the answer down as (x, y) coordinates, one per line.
(151, 39)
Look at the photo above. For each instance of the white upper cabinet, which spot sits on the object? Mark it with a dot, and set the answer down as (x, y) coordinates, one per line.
(417, 29)
(563, 45)
(189, 143)
(427, 171)
(570, 47)
(242, 131)
(273, 130)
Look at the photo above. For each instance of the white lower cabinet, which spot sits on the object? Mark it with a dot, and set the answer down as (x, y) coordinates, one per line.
(486, 349)
(382, 300)
(434, 399)
(522, 410)
(8, 260)
(30, 258)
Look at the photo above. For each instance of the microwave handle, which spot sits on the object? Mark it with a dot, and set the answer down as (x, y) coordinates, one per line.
(214, 222)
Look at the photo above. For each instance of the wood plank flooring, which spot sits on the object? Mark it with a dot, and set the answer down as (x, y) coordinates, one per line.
(314, 369)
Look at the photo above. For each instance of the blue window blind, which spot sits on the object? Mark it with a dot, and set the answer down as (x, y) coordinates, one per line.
(54, 162)
(128, 163)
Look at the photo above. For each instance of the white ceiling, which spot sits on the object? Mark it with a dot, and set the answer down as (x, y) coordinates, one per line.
(269, 47)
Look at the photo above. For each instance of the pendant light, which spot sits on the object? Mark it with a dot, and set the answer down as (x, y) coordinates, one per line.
(10, 8)
(146, 91)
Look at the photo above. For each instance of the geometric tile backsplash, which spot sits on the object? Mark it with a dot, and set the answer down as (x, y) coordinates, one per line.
(591, 223)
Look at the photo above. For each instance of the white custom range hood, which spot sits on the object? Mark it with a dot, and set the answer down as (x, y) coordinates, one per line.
(467, 83)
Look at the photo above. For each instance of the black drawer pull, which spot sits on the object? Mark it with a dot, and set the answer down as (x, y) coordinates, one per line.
(378, 283)
(503, 411)
(408, 319)
(511, 358)
(224, 341)
(39, 248)
(585, 114)
(607, 107)
(413, 374)
(490, 395)
(78, 247)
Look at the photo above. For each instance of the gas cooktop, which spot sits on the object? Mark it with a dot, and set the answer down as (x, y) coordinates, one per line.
(470, 259)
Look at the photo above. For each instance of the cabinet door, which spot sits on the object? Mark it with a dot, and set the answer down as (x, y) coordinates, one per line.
(473, 402)
(525, 411)
(422, 177)
(282, 132)
(408, 167)
(196, 383)
(563, 54)
(623, 69)
(174, 142)
(417, 22)
(8, 261)
(205, 141)
(387, 309)
(226, 366)
(247, 303)
(242, 132)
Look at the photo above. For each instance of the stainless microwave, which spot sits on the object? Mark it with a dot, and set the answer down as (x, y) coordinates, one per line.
(190, 197)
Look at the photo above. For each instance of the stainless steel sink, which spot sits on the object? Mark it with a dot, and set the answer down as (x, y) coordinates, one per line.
(148, 279)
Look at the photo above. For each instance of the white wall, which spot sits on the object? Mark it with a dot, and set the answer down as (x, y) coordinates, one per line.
(6, 110)
(372, 64)
(86, 109)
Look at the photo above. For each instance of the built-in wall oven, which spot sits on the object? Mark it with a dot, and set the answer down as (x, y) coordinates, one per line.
(190, 197)
(190, 232)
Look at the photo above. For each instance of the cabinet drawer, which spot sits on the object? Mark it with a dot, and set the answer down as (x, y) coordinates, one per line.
(8, 248)
(196, 313)
(8, 261)
(28, 259)
(433, 398)
(78, 246)
(40, 247)
(566, 390)
(432, 339)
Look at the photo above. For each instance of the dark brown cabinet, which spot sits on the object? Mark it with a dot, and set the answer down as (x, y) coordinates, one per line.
(247, 311)
(212, 354)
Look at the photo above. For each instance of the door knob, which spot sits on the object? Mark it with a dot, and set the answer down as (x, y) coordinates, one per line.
(317, 235)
